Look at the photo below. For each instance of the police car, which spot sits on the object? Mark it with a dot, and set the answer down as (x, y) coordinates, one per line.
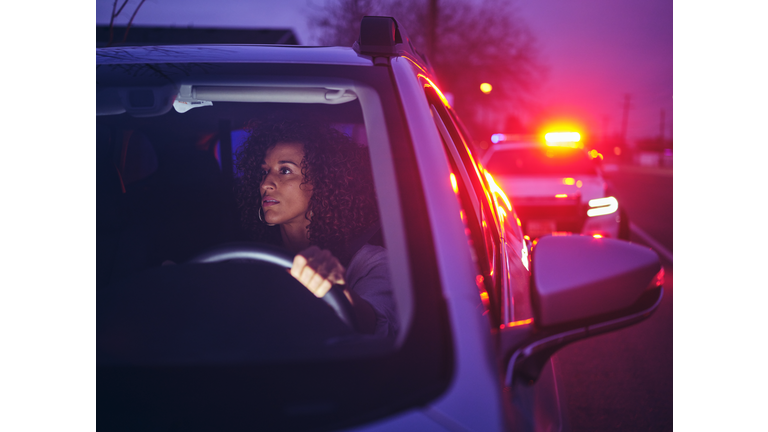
(557, 187)
(226, 339)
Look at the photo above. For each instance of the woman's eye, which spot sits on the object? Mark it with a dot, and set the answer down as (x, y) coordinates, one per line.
(285, 170)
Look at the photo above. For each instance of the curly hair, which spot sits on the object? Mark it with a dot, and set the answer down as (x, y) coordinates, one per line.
(343, 202)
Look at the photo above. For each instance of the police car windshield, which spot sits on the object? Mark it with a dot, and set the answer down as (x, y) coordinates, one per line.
(541, 161)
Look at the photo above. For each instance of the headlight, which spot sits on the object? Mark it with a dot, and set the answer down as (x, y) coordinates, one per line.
(602, 206)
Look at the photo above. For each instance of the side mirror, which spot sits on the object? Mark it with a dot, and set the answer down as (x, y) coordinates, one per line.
(581, 287)
(579, 277)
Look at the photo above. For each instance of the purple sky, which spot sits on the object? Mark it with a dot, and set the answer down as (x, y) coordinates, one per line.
(596, 51)
(600, 50)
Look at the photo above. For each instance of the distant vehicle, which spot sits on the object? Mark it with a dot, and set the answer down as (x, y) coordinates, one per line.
(556, 187)
(226, 339)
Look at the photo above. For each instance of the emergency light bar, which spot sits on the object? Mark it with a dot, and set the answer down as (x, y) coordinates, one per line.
(556, 138)
(500, 137)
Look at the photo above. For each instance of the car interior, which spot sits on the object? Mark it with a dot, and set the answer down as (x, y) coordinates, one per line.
(166, 195)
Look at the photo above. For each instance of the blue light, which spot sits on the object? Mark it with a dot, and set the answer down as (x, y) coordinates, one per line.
(497, 137)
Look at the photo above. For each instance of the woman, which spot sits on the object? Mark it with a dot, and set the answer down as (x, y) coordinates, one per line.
(309, 188)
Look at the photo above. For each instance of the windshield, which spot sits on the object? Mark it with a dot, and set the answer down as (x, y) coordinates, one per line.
(172, 184)
(556, 161)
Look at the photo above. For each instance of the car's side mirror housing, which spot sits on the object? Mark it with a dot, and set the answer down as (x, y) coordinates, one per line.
(580, 287)
(578, 277)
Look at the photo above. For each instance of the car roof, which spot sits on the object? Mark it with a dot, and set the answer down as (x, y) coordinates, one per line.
(514, 145)
(231, 54)
(507, 146)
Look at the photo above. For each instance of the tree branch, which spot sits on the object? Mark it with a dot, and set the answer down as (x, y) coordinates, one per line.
(125, 36)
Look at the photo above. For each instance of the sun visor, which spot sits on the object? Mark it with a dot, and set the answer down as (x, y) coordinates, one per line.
(152, 101)
(273, 94)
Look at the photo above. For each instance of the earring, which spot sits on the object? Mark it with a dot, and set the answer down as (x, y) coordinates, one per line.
(262, 220)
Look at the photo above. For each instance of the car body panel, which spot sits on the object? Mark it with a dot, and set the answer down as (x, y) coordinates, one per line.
(415, 420)
(473, 399)
(232, 54)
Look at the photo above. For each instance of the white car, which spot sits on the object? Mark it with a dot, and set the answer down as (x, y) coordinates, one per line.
(557, 189)
(226, 339)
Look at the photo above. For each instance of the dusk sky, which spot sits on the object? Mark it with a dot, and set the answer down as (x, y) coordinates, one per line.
(596, 51)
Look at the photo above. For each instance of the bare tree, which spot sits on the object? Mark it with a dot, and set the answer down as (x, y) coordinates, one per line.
(115, 14)
(474, 42)
(338, 21)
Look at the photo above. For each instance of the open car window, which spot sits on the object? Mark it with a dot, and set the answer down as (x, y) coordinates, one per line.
(166, 138)
(174, 163)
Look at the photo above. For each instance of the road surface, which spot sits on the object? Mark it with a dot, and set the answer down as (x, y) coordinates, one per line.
(623, 380)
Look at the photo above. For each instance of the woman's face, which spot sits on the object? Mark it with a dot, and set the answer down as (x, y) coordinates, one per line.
(284, 199)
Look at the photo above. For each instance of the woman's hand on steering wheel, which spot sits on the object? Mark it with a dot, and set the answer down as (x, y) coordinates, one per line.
(318, 270)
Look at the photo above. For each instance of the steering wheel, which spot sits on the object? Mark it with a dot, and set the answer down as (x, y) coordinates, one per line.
(334, 298)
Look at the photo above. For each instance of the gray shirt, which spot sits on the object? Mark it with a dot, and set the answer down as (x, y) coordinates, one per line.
(368, 275)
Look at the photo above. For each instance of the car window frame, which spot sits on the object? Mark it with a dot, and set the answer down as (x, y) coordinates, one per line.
(430, 331)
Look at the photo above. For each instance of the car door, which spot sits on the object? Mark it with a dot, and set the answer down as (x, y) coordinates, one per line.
(492, 225)
(502, 258)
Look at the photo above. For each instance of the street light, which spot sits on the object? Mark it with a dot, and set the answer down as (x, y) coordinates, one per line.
(486, 88)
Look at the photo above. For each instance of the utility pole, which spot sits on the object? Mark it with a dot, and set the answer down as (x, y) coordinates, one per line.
(625, 119)
(605, 138)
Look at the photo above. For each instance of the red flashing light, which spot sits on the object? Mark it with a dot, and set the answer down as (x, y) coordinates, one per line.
(517, 323)
(439, 93)
(659, 279)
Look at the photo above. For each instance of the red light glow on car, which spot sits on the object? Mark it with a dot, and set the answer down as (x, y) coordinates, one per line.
(502, 214)
(439, 93)
(497, 191)
(594, 154)
(658, 280)
(517, 323)
(454, 184)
